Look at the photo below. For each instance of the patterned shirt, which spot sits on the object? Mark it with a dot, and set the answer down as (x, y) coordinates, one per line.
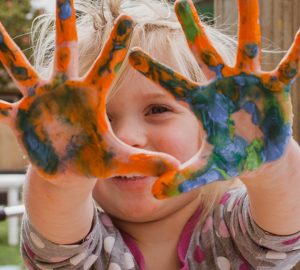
(228, 239)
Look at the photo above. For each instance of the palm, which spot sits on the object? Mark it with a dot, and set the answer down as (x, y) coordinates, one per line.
(245, 113)
(240, 145)
(62, 123)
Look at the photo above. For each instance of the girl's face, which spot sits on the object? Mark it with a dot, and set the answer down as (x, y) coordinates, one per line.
(145, 116)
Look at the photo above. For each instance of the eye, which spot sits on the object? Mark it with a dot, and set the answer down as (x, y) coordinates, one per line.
(157, 109)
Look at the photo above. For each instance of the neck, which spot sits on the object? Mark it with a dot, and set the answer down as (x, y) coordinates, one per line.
(160, 236)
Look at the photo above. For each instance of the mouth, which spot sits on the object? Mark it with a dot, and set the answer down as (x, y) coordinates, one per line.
(133, 183)
(129, 178)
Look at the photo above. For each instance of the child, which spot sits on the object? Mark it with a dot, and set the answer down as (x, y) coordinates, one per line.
(224, 225)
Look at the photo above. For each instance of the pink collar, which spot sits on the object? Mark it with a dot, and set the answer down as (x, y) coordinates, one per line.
(182, 248)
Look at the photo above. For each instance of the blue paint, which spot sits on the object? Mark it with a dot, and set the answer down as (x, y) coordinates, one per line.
(20, 73)
(228, 155)
(72, 148)
(65, 9)
(251, 108)
(3, 46)
(240, 80)
(119, 43)
(42, 154)
(289, 71)
(251, 50)
(275, 145)
(217, 70)
(31, 91)
(5, 49)
(291, 83)
(209, 176)
(217, 112)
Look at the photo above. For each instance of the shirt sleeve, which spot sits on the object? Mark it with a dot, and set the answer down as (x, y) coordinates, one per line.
(261, 249)
(102, 248)
(39, 253)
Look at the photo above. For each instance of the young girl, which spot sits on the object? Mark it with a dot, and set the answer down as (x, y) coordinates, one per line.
(223, 225)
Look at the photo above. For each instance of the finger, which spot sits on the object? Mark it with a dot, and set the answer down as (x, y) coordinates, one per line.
(195, 172)
(289, 68)
(5, 109)
(166, 186)
(105, 68)
(66, 55)
(175, 83)
(174, 183)
(249, 48)
(17, 64)
(208, 58)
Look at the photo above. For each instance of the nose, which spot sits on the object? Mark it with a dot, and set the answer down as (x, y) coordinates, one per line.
(131, 133)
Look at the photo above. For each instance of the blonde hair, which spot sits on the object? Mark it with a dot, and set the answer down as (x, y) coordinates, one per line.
(156, 31)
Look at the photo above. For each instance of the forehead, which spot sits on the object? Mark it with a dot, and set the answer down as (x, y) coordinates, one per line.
(132, 79)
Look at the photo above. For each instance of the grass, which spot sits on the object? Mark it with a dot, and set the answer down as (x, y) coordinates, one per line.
(9, 255)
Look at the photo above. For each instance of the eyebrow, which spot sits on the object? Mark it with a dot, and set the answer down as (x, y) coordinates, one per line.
(156, 95)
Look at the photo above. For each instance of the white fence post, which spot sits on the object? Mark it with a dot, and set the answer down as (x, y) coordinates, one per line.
(13, 222)
(12, 183)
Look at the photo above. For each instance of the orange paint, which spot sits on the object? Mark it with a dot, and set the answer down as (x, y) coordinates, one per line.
(63, 58)
(205, 53)
(249, 51)
(16, 63)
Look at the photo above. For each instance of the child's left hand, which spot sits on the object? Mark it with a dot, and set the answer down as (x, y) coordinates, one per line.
(246, 114)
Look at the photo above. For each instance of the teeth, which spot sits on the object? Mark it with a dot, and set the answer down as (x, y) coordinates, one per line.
(123, 177)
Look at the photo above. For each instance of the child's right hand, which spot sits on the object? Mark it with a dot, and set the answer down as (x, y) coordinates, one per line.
(62, 123)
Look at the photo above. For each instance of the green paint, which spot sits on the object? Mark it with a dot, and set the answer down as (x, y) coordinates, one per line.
(231, 126)
(173, 190)
(207, 57)
(253, 159)
(223, 173)
(189, 25)
(117, 67)
(287, 92)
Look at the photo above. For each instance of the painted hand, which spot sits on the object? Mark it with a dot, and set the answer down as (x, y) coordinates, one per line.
(245, 113)
(62, 123)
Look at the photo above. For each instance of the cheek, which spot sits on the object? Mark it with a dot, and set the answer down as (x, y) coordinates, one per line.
(182, 143)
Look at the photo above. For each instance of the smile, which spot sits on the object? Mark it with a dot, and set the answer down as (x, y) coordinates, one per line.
(133, 183)
(129, 178)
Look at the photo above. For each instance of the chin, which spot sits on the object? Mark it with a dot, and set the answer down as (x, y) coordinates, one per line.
(136, 210)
